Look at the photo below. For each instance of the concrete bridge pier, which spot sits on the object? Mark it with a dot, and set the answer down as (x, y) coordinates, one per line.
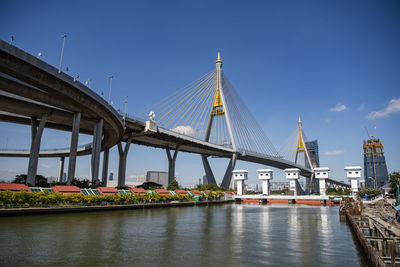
(73, 147)
(171, 163)
(353, 173)
(228, 174)
(123, 154)
(265, 175)
(321, 174)
(105, 166)
(36, 133)
(96, 149)
(61, 169)
(240, 176)
(293, 174)
(207, 168)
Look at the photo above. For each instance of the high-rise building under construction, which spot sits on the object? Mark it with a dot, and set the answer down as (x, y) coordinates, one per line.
(375, 170)
(312, 148)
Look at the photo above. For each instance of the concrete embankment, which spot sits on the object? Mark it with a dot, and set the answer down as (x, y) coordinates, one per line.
(51, 210)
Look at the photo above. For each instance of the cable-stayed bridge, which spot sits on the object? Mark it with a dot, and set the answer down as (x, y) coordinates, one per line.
(206, 117)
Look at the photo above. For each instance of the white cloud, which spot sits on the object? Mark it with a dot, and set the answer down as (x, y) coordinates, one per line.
(327, 121)
(186, 130)
(392, 107)
(46, 166)
(334, 152)
(362, 107)
(338, 108)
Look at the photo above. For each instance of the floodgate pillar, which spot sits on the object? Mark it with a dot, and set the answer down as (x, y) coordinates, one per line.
(353, 173)
(265, 175)
(239, 177)
(321, 174)
(293, 175)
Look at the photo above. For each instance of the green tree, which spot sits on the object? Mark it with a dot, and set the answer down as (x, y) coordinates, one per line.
(394, 181)
(81, 183)
(40, 181)
(173, 185)
(212, 187)
(372, 192)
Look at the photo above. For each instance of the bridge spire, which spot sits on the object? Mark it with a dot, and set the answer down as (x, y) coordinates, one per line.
(301, 146)
(219, 107)
(219, 58)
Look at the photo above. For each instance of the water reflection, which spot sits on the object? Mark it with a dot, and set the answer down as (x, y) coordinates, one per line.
(293, 230)
(226, 235)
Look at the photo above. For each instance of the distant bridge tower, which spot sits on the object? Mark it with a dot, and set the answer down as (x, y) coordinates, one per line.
(302, 148)
(220, 108)
(311, 184)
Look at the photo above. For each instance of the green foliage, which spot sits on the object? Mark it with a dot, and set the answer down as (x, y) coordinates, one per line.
(278, 192)
(212, 187)
(372, 192)
(173, 185)
(338, 191)
(253, 193)
(81, 183)
(123, 187)
(25, 199)
(394, 181)
(39, 180)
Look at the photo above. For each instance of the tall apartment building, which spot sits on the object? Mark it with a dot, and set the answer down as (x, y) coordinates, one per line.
(157, 177)
(375, 170)
(312, 148)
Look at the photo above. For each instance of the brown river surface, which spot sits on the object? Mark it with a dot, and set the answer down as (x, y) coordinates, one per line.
(215, 235)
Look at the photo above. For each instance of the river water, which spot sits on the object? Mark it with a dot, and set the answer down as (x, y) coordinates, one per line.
(215, 235)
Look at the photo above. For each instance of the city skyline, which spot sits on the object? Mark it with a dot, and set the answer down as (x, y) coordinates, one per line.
(332, 79)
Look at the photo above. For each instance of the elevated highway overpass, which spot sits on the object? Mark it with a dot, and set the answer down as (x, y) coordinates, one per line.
(34, 93)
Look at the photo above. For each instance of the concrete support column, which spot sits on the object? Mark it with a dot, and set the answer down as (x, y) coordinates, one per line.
(207, 168)
(228, 174)
(171, 163)
(105, 166)
(240, 176)
(61, 170)
(353, 173)
(73, 147)
(322, 174)
(96, 149)
(36, 132)
(293, 174)
(123, 154)
(265, 175)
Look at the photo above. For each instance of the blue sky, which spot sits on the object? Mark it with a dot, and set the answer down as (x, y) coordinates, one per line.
(334, 63)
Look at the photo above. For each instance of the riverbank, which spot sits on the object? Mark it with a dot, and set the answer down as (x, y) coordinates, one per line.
(375, 231)
(75, 209)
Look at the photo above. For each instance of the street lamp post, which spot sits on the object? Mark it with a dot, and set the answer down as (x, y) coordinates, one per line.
(109, 90)
(62, 52)
(125, 102)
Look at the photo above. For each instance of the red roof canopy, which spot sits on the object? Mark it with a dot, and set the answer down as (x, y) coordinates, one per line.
(66, 189)
(162, 191)
(14, 187)
(138, 191)
(196, 192)
(229, 192)
(107, 190)
(181, 192)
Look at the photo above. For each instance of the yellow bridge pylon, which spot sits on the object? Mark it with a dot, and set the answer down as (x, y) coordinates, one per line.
(302, 148)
